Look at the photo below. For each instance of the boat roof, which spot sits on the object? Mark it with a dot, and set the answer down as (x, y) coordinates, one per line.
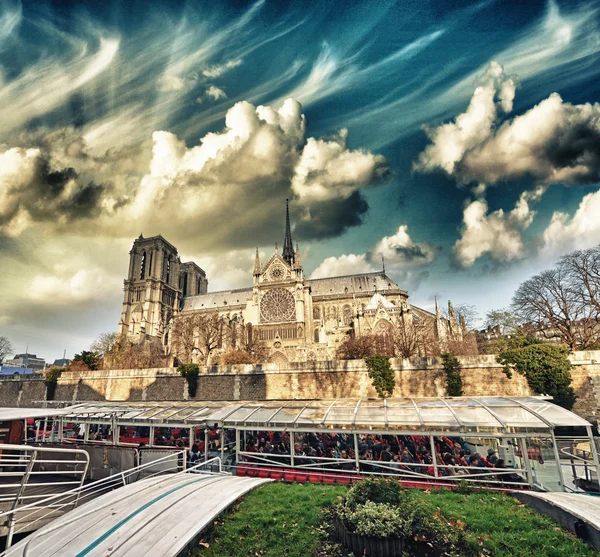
(460, 414)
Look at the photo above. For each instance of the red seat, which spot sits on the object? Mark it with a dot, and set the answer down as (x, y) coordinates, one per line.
(276, 475)
(262, 473)
(301, 477)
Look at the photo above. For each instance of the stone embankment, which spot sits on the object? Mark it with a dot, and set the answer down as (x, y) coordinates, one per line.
(417, 377)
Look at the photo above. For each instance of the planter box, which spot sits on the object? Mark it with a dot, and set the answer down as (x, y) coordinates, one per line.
(368, 545)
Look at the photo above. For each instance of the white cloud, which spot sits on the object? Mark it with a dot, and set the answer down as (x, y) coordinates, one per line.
(580, 231)
(497, 234)
(328, 170)
(554, 142)
(218, 70)
(451, 141)
(216, 93)
(85, 285)
(342, 265)
(249, 166)
(47, 84)
(400, 252)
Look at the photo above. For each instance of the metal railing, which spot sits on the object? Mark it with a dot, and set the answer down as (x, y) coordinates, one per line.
(50, 507)
(27, 469)
(582, 460)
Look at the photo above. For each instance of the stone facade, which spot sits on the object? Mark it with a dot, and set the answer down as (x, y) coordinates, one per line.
(156, 283)
(299, 319)
(417, 377)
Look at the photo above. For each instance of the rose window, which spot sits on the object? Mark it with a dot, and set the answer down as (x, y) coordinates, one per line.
(278, 305)
(276, 273)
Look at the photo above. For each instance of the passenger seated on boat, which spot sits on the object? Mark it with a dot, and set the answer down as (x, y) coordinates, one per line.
(509, 478)
(194, 455)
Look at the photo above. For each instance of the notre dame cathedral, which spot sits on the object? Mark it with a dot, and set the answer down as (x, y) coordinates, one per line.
(298, 319)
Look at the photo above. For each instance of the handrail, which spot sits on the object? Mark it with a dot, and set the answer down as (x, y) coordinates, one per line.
(72, 497)
(565, 451)
(184, 471)
(96, 483)
(28, 457)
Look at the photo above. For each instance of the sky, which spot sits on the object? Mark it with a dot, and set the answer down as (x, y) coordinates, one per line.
(459, 141)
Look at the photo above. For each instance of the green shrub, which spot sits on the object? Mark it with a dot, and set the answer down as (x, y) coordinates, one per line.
(546, 367)
(190, 372)
(417, 522)
(377, 490)
(51, 379)
(381, 374)
(453, 377)
(375, 519)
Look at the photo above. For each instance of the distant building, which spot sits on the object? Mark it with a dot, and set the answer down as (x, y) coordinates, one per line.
(62, 362)
(30, 361)
(11, 370)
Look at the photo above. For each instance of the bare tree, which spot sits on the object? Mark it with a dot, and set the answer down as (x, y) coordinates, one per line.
(583, 271)
(356, 348)
(413, 336)
(548, 302)
(104, 344)
(130, 355)
(469, 315)
(257, 349)
(197, 335)
(5, 348)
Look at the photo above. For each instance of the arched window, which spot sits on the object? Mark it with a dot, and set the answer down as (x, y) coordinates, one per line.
(168, 271)
(150, 263)
(316, 313)
(143, 266)
(184, 284)
(347, 315)
(316, 335)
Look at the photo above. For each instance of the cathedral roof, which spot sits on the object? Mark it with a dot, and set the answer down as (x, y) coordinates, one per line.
(354, 284)
(376, 300)
(214, 300)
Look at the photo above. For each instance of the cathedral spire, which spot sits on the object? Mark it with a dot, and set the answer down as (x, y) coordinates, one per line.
(288, 245)
(297, 263)
(257, 268)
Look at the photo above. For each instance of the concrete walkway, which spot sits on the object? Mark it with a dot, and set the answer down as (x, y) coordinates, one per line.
(153, 517)
(580, 513)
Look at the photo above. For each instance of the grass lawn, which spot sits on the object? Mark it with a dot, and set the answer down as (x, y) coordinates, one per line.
(287, 520)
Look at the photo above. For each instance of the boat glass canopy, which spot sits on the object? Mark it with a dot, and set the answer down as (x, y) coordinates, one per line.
(461, 414)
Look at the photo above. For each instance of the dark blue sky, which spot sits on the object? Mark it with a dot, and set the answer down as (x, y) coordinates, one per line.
(85, 85)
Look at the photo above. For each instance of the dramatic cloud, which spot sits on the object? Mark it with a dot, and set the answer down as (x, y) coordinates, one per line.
(31, 191)
(497, 234)
(259, 159)
(580, 231)
(554, 142)
(450, 142)
(400, 252)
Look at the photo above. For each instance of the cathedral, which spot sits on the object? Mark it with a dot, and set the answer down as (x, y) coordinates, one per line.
(296, 318)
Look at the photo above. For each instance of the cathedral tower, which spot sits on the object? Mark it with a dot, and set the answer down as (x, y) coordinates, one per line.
(151, 289)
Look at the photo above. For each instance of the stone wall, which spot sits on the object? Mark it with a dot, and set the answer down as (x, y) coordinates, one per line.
(418, 377)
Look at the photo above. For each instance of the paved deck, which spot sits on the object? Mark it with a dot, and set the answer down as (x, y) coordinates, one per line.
(153, 517)
(579, 513)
